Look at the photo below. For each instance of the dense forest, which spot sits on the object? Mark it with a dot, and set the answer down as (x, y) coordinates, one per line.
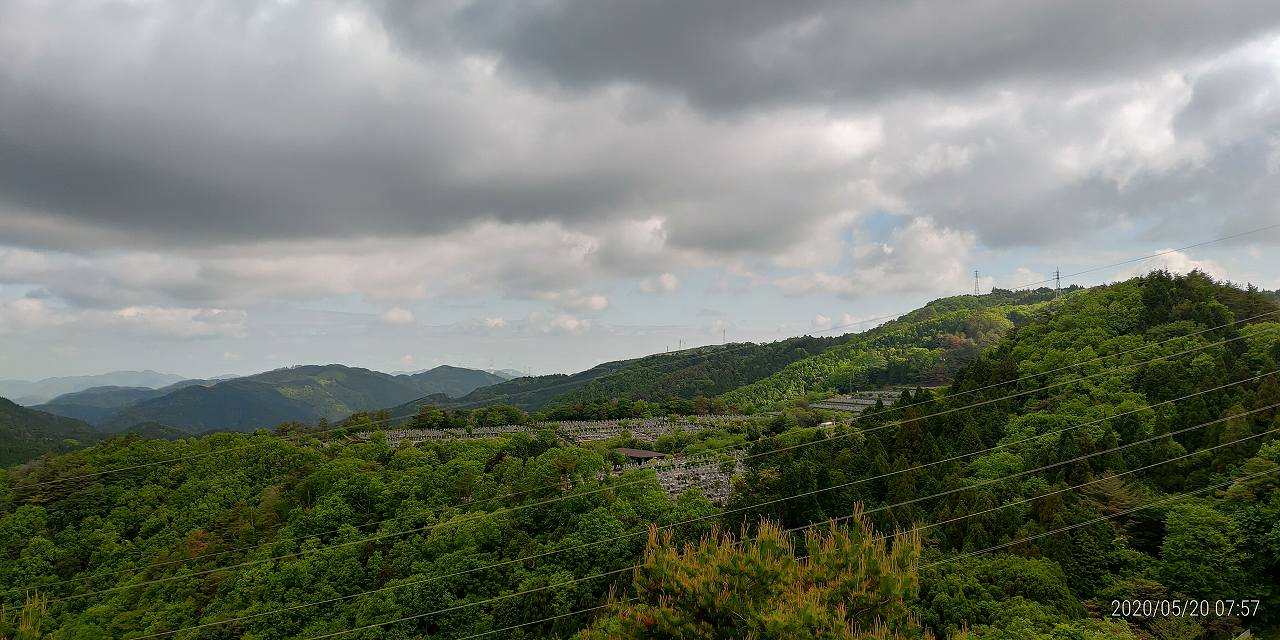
(654, 380)
(1111, 445)
(27, 433)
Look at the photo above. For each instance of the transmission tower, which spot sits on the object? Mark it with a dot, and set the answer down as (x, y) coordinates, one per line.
(975, 283)
(1057, 282)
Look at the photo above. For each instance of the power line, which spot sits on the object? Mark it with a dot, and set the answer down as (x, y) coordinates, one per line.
(832, 521)
(1156, 255)
(547, 619)
(1096, 520)
(643, 480)
(1058, 491)
(713, 451)
(774, 501)
(632, 568)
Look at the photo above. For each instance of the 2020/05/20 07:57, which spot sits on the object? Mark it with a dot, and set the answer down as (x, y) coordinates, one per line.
(1189, 608)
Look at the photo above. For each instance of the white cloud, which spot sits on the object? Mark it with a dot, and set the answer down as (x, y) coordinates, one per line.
(406, 361)
(1178, 262)
(917, 257)
(174, 321)
(476, 180)
(820, 322)
(34, 315)
(567, 324)
(1182, 262)
(596, 302)
(397, 315)
(29, 314)
(660, 284)
(574, 300)
(737, 277)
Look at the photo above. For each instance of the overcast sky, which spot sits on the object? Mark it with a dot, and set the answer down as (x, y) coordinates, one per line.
(232, 186)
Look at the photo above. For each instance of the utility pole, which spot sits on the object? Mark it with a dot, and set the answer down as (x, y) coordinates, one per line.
(975, 283)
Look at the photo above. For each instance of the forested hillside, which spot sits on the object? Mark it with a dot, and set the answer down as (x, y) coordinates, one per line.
(926, 346)
(304, 393)
(1119, 444)
(1086, 444)
(235, 405)
(528, 393)
(704, 371)
(25, 434)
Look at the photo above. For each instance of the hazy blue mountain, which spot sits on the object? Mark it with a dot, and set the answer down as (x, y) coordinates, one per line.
(97, 404)
(455, 382)
(26, 434)
(29, 393)
(304, 393)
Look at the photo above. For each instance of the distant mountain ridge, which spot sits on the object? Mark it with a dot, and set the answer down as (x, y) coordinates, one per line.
(925, 345)
(700, 371)
(97, 404)
(304, 393)
(28, 393)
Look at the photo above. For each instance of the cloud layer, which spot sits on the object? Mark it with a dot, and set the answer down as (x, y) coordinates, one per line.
(173, 167)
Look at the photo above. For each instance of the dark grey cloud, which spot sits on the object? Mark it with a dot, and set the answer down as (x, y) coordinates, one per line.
(201, 172)
(169, 129)
(735, 55)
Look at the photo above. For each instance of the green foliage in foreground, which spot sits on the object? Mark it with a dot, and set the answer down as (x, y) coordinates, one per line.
(845, 582)
(1222, 544)
(299, 523)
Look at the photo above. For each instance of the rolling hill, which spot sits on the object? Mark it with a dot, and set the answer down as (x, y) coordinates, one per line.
(303, 393)
(926, 345)
(689, 373)
(528, 393)
(26, 434)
